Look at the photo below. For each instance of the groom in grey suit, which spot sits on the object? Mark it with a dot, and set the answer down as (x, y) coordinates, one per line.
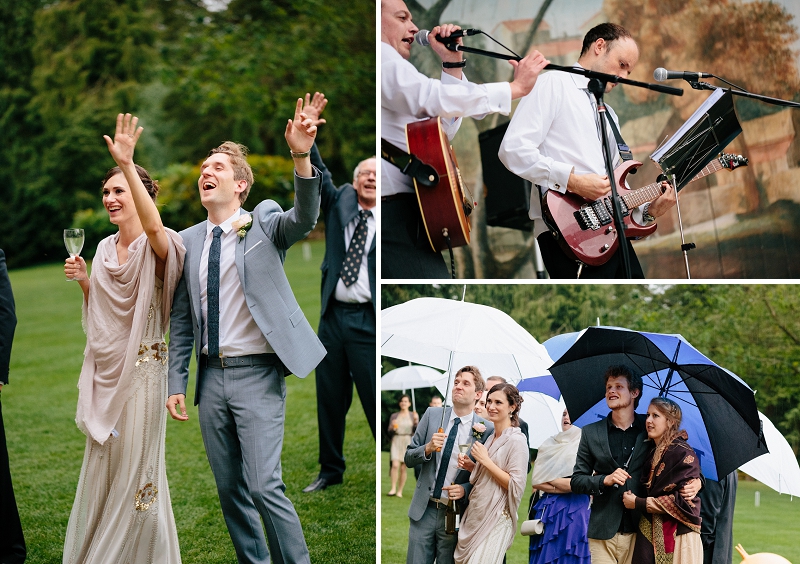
(235, 307)
(427, 539)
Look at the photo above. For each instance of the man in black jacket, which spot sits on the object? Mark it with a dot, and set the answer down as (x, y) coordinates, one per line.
(12, 543)
(610, 457)
(347, 322)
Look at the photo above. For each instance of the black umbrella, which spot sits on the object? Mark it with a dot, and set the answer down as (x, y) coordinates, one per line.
(719, 409)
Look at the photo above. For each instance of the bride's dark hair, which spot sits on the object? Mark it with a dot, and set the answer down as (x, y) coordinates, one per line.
(512, 396)
(150, 185)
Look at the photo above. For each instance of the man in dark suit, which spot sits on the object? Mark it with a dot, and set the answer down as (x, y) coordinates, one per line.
(609, 462)
(427, 539)
(12, 543)
(347, 321)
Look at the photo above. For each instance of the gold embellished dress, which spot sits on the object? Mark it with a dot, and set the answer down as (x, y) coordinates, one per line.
(122, 512)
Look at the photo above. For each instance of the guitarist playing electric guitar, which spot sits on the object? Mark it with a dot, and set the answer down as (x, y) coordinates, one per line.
(409, 96)
(553, 140)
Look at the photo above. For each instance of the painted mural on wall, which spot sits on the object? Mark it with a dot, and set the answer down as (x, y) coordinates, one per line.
(744, 223)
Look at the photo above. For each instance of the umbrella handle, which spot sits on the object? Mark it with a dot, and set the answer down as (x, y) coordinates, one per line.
(439, 449)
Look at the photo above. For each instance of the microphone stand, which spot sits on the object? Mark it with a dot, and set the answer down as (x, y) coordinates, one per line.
(597, 86)
(699, 85)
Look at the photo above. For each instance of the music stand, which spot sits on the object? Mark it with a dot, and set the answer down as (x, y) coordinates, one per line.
(696, 143)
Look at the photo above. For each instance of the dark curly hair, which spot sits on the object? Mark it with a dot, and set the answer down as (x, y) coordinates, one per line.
(150, 185)
(512, 396)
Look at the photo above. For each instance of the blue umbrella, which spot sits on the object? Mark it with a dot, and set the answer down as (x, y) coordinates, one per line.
(719, 409)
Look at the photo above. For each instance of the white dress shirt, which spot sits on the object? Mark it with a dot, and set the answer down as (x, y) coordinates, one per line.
(555, 132)
(238, 333)
(464, 437)
(407, 95)
(359, 291)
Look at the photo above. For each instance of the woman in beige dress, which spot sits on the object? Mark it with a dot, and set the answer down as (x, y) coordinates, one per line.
(498, 482)
(401, 428)
(122, 511)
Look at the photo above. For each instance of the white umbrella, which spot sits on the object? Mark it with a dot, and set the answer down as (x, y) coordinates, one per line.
(542, 413)
(430, 330)
(777, 469)
(408, 378)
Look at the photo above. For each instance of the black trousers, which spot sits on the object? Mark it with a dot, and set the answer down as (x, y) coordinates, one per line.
(559, 265)
(12, 542)
(348, 333)
(405, 250)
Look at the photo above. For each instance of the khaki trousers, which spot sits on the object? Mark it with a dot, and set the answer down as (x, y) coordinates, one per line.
(616, 550)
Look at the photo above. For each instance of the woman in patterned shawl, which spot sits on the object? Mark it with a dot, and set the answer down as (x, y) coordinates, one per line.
(669, 531)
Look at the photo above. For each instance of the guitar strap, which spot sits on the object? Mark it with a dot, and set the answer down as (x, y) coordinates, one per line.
(409, 164)
(624, 150)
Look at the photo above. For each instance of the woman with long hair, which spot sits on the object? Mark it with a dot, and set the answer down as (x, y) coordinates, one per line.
(122, 511)
(670, 524)
(402, 425)
(498, 482)
(565, 514)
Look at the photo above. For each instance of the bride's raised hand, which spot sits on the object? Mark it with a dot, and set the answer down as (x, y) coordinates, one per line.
(125, 138)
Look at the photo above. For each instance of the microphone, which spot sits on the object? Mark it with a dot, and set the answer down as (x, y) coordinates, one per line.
(662, 74)
(422, 36)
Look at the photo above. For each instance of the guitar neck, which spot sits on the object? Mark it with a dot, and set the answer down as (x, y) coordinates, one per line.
(652, 191)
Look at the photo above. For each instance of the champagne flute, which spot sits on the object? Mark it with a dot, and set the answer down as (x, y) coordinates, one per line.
(463, 449)
(73, 240)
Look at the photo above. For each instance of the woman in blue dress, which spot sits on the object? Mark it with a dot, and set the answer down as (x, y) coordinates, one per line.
(565, 514)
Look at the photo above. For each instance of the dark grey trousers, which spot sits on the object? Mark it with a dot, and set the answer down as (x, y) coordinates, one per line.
(428, 541)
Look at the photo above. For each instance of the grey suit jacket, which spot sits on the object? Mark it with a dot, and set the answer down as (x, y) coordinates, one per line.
(259, 261)
(8, 319)
(415, 454)
(595, 462)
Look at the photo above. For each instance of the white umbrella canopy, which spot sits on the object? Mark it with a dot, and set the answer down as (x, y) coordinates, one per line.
(542, 413)
(409, 377)
(777, 469)
(428, 330)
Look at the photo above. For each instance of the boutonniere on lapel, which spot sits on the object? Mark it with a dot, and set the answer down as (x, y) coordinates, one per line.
(478, 429)
(242, 225)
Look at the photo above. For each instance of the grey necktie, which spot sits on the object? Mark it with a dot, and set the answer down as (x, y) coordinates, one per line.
(213, 293)
(355, 252)
(448, 450)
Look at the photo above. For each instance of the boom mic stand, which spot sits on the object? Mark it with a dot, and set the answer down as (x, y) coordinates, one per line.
(597, 86)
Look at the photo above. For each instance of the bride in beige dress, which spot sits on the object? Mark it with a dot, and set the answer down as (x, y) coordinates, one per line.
(122, 512)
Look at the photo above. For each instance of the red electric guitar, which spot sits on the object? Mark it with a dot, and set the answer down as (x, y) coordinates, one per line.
(586, 228)
(445, 207)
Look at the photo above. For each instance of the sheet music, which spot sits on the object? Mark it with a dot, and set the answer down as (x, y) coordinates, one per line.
(688, 125)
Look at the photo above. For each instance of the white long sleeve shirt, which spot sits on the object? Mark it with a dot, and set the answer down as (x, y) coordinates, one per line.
(553, 133)
(407, 96)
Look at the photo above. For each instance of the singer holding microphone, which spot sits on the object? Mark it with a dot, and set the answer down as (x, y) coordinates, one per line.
(407, 96)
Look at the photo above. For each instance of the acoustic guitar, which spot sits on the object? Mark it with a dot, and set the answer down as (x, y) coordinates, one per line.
(447, 205)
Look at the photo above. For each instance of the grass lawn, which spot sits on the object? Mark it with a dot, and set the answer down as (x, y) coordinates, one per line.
(772, 527)
(46, 448)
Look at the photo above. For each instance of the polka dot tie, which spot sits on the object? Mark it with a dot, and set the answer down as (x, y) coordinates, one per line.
(355, 252)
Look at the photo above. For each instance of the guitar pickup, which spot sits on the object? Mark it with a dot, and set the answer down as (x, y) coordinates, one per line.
(607, 208)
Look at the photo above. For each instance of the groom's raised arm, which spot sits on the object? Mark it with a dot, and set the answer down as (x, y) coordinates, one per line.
(286, 228)
(181, 343)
